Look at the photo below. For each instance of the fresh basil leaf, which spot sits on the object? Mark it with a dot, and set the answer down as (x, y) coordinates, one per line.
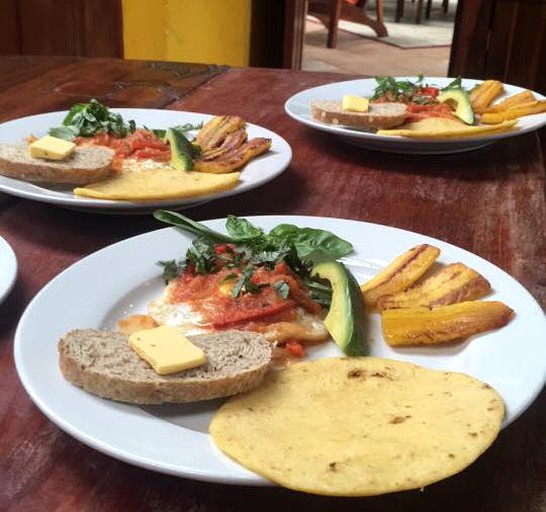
(185, 224)
(171, 269)
(314, 244)
(94, 117)
(455, 84)
(188, 127)
(241, 229)
(282, 289)
(64, 132)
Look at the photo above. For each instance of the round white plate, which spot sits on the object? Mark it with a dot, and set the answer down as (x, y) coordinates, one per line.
(299, 107)
(258, 172)
(8, 268)
(173, 438)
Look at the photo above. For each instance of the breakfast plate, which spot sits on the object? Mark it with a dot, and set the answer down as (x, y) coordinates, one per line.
(174, 439)
(298, 107)
(256, 173)
(8, 268)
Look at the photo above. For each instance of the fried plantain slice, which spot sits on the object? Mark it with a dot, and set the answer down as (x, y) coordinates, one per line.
(235, 159)
(430, 326)
(231, 142)
(454, 283)
(216, 130)
(399, 275)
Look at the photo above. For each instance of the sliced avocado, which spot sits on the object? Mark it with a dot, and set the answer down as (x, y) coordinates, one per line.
(346, 319)
(460, 101)
(181, 150)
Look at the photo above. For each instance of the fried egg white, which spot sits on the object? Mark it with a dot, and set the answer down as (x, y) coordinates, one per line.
(306, 327)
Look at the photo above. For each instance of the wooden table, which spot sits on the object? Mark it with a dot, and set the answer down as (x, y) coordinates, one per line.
(490, 202)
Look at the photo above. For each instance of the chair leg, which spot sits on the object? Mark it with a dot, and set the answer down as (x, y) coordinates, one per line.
(335, 15)
(399, 10)
(428, 9)
(418, 11)
(379, 10)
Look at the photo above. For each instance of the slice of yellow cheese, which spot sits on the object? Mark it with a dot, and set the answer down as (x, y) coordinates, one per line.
(355, 103)
(51, 148)
(166, 349)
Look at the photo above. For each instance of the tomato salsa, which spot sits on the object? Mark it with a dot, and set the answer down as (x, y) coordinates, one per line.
(420, 99)
(211, 295)
(141, 145)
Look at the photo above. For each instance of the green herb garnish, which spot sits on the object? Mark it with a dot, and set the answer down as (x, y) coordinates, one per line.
(184, 128)
(88, 119)
(396, 89)
(299, 248)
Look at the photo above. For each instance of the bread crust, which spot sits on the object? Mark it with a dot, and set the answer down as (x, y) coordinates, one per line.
(86, 165)
(379, 115)
(99, 377)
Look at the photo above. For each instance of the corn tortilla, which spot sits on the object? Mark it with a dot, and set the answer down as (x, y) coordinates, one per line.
(443, 128)
(359, 426)
(160, 183)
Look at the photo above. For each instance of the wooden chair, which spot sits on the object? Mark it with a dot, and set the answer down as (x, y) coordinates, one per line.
(329, 12)
(418, 9)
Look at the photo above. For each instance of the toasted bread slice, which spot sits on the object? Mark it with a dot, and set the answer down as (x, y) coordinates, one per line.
(86, 165)
(379, 115)
(102, 363)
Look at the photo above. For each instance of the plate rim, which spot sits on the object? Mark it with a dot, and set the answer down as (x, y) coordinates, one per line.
(8, 259)
(182, 470)
(115, 206)
(371, 139)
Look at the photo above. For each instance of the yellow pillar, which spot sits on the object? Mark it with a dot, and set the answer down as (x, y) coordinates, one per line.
(209, 31)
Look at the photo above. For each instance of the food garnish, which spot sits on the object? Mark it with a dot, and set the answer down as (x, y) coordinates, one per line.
(250, 279)
(88, 119)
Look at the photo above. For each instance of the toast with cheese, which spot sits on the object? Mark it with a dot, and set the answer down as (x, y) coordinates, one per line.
(379, 115)
(85, 165)
(102, 363)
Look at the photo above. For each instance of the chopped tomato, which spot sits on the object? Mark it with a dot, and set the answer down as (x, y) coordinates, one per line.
(419, 112)
(141, 144)
(430, 91)
(210, 294)
(295, 348)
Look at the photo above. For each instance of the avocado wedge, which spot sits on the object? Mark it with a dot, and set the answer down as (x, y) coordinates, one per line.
(346, 319)
(181, 150)
(458, 99)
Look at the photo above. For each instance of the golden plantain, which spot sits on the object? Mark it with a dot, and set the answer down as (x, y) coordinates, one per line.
(230, 143)
(426, 326)
(236, 159)
(216, 130)
(454, 283)
(516, 99)
(399, 275)
(524, 109)
(483, 95)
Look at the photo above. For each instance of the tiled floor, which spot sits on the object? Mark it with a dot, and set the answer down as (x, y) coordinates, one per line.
(355, 54)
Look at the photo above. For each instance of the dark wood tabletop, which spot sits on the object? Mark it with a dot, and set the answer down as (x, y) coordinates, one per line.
(489, 201)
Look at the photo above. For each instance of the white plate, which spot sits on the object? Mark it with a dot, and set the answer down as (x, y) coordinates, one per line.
(173, 438)
(258, 172)
(298, 107)
(8, 268)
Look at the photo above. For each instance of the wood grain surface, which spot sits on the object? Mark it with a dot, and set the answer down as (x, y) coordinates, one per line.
(489, 201)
